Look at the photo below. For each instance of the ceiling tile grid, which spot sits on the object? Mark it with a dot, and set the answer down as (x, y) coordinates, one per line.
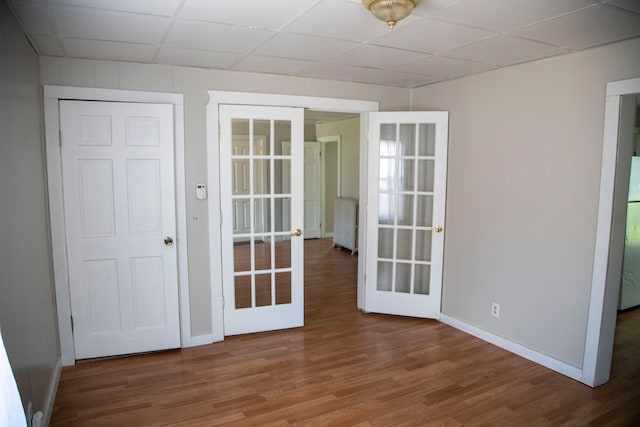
(326, 39)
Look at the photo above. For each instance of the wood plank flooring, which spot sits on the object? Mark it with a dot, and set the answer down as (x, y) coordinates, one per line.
(346, 368)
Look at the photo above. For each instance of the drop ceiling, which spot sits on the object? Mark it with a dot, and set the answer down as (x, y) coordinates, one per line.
(326, 39)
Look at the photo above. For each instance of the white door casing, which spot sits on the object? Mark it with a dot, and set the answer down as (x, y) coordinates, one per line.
(405, 213)
(312, 190)
(119, 200)
(262, 268)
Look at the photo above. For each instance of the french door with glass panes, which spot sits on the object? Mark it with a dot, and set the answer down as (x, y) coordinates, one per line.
(261, 151)
(405, 212)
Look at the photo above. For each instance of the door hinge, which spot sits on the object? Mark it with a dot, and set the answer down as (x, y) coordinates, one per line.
(365, 279)
(72, 325)
(220, 217)
(219, 130)
(59, 138)
(223, 302)
(368, 135)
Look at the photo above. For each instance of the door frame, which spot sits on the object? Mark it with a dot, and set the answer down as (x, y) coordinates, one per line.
(603, 303)
(331, 139)
(213, 176)
(52, 95)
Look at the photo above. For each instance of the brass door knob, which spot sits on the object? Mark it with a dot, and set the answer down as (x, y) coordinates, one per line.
(168, 241)
(436, 228)
(297, 232)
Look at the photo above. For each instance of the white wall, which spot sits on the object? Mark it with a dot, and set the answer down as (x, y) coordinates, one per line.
(194, 83)
(525, 146)
(27, 305)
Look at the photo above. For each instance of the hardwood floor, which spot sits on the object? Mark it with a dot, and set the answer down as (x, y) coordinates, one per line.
(346, 368)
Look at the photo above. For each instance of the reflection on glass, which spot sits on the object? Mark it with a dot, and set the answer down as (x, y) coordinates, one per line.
(386, 208)
(427, 140)
(405, 209)
(261, 137)
(423, 245)
(388, 139)
(385, 243)
(387, 174)
(425, 175)
(283, 288)
(283, 252)
(240, 179)
(407, 143)
(262, 250)
(406, 175)
(282, 176)
(241, 216)
(404, 244)
(282, 140)
(262, 215)
(263, 290)
(403, 278)
(421, 279)
(241, 254)
(424, 214)
(385, 276)
(282, 214)
(242, 287)
(261, 176)
(240, 139)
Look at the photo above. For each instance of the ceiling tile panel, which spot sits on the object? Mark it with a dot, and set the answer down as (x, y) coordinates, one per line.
(587, 28)
(340, 20)
(197, 58)
(215, 37)
(111, 26)
(395, 78)
(271, 65)
(376, 57)
(502, 15)
(337, 72)
(503, 50)
(115, 51)
(447, 68)
(34, 18)
(303, 46)
(151, 7)
(47, 45)
(630, 5)
(428, 35)
(271, 14)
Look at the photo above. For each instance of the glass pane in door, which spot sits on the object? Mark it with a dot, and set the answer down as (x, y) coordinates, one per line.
(405, 206)
(261, 198)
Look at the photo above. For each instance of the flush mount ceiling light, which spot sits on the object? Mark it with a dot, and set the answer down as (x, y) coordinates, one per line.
(390, 11)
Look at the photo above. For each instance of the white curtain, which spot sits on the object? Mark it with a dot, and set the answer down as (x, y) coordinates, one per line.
(11, 412)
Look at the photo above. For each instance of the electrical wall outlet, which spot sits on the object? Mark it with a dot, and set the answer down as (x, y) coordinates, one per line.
(495, 310)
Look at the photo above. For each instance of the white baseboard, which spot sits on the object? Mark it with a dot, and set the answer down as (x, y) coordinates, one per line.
(51, 393)
(198, 340)
(539, 358)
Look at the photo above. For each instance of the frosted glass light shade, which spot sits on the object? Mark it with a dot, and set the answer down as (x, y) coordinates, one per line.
(390, 11)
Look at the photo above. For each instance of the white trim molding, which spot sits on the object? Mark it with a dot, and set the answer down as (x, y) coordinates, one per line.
(602, 312)
(216, 98)
(52, 96)
(520, 350)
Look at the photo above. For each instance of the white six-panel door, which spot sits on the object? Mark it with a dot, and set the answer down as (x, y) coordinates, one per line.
(118, 183)
(262, 261)
(312, 189)
(405, 213)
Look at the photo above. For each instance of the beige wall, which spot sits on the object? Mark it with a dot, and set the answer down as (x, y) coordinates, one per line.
(27, 311)
(349, 131)
(525, 148)
(194, 83)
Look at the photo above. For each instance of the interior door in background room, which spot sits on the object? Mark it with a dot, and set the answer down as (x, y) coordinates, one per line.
(312, 190)
(119, 201)
(405, 216)
(263, 271)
